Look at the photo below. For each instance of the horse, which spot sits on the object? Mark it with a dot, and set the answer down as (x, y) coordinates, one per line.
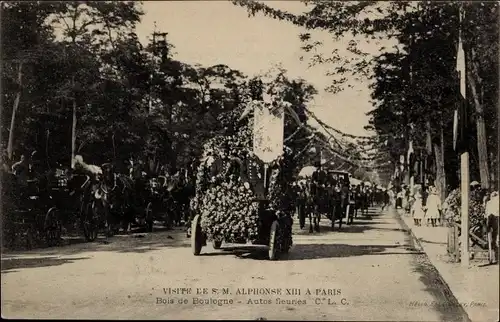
(313, 205)
(113, 200)
(337, 201)
(300, 196)
(361, 201)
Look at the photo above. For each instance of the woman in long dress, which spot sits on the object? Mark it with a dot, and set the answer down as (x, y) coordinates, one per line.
(418, 210)
(433, 206)
(399, 199)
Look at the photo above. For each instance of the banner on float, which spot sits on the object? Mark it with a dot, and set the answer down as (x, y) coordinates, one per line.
(268, 132)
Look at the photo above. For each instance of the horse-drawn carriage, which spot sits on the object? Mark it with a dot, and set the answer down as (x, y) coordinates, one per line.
(327, 193)
(105, 199)
(29, 216)
(161, 203)
(252, 219)
(109, 200)
(340, 198)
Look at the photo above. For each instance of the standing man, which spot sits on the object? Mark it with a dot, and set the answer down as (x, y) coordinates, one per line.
(491, 214)
(364, 198)
(385, 198)
(317, 192)
(301, 203)
(344, 198)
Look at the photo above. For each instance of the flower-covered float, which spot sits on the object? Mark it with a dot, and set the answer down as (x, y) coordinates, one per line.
(238, 190)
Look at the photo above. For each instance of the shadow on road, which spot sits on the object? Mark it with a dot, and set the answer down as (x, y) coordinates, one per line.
(314, 251)
(360, 225)
(445, 302)
(133, 243)
(319, 251)
(15, 263)
(244, 251)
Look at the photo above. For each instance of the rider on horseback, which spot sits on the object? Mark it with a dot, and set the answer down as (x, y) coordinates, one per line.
(317, 189)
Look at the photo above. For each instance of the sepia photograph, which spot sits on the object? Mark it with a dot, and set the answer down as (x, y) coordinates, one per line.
(300, 160)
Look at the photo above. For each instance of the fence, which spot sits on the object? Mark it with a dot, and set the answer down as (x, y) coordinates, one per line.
(478, 246)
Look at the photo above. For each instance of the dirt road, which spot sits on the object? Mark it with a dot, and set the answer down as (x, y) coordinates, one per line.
(369, 271)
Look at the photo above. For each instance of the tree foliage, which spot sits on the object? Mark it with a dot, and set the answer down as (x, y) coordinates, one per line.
(133, 100)
(415, 81)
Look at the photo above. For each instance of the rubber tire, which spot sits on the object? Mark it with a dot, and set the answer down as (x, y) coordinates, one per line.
(273, 248)
(196, 236)
(217, 244)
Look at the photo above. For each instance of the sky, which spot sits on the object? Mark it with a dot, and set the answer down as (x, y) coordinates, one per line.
(218, 32)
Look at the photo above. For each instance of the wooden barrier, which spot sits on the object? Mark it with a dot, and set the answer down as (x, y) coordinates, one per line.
(453, 246)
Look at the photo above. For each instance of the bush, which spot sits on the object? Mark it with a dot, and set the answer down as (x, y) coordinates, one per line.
(452, 204)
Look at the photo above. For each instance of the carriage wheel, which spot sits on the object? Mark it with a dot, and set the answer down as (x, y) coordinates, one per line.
(217, 244)
(52, 227)
(273, 247)
(196, 236)
(149, 217)
(285, 240)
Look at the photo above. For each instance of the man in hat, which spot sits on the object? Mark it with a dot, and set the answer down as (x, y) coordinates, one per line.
(491, 214)
(386, 198)
(318, 185)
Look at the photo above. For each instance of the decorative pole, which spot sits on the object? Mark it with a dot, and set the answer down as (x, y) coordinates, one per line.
(464, 157)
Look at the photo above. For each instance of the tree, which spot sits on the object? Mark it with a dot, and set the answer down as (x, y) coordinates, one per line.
(422, 27)
(81, 22)
(24, 31)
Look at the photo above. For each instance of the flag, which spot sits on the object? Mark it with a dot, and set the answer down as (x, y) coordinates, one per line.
(455, 129)
(410, 151)
(268, 133)
(401, 163)
(459, 117)
(460, 68)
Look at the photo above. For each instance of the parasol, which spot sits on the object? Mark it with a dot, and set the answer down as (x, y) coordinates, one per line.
(307, 171)
(354, 181)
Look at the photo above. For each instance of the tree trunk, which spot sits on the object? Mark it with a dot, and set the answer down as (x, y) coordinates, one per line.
(428, 139)
(439, 180)
(443, 169)
(73, 129)
(480, 127)
(47, 156)
(14, 111)
(493, 167)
